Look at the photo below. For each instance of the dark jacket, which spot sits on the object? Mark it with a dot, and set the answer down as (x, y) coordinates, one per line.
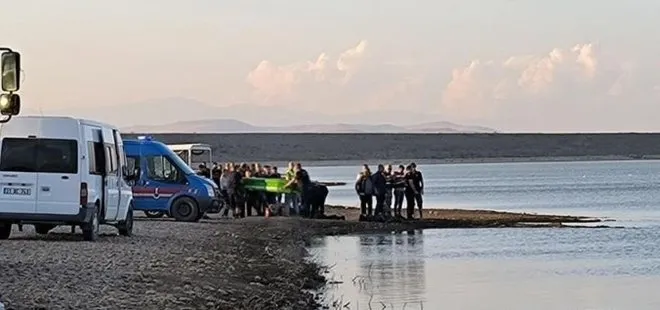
(380, 183)
(364, 186)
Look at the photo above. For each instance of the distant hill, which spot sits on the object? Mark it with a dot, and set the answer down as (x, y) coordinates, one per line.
(189, 115)
(236, 126)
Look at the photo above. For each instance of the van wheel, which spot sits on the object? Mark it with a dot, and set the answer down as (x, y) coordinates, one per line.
(154, 214)
(91, 229)
(43, 229)
(5, 231)
(185, 209)
(125, 227)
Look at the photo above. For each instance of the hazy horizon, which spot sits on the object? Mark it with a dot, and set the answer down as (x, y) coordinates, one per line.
(510, 65)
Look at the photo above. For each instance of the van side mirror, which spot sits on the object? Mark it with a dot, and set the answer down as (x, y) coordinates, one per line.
(10, 104)
(11, 71)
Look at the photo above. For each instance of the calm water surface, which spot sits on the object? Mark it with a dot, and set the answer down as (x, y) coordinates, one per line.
(573, 268)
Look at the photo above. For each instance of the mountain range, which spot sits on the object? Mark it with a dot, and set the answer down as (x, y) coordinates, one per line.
(180, 114)
(235, 126)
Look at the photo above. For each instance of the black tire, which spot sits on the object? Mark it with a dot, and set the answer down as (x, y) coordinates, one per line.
(5, 231)
(185, 209)
(91, 229)
(154, 214)
(43, 229)
(125, 227)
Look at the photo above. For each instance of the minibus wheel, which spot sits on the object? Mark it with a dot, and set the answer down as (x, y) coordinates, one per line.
(91, 229)
(125, 227)
(185, 209)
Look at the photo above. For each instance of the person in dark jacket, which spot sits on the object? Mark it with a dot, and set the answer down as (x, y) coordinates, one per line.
(418, 182)
(231, 187)
(389, 176)
(411, 193)
(365, 190)
(380, 187)
(399, 186)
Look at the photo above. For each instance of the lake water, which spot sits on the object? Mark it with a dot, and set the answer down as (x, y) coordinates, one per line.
(536, 268)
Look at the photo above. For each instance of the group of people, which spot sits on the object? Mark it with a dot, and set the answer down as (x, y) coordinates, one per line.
(306, 198)
(390, 188)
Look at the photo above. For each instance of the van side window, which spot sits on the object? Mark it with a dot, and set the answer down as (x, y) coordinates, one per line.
(96, 157)
(111, 159)
(39, 155)
(160, 168)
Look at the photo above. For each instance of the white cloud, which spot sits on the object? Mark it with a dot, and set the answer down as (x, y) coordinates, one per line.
(563, 85)
(562, 78)
(278, 84)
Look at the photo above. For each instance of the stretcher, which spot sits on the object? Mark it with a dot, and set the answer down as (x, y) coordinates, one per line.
(274, 185)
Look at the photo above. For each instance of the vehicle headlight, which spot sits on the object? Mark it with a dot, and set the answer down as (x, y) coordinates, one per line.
(209, 190)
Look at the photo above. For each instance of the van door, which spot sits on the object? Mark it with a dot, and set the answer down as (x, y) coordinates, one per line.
(112, 175)
(124, 189)
(163, 180)
(18, 176)
(58, 180)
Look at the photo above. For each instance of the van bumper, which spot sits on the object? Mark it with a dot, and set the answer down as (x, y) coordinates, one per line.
(209, 204)
(83, 216)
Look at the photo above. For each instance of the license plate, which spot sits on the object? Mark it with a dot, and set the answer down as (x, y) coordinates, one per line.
(17, 191)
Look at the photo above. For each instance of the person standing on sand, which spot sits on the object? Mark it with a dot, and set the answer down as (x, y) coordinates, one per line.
(231, 188)
(418, 180)
(304, 184)
(411, 193)
(364, 189)
(291, 199)
(399, 185)
(380, 187)
(388, 190)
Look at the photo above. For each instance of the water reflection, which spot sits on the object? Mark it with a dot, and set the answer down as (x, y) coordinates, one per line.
(494, 269)
(384, 269)
(392, 267)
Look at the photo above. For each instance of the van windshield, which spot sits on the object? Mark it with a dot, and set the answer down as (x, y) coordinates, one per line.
(39, 155)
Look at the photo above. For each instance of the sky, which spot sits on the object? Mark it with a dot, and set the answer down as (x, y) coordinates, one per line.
(513, 65)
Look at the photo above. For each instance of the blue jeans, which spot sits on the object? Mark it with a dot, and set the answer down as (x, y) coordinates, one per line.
(293, 201)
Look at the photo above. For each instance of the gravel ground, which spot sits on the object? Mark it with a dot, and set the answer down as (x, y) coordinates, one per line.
(252, 263)
(165, 265)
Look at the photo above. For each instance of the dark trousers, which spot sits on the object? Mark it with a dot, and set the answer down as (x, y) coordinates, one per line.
(366, 204)
(305, 201)
(380, 203)
(398, 201)
(411, 200)
(420, 203)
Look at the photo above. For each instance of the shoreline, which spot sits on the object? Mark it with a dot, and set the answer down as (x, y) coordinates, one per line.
(218, 263)
(281, 243)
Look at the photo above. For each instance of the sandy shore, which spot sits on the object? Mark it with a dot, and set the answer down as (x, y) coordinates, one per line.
(252, 263)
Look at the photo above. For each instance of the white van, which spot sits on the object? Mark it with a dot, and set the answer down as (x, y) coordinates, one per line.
(63, 171)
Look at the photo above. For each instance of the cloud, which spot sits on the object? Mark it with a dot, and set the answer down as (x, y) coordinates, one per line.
(275, 84)
(565, 85)
(563, 78)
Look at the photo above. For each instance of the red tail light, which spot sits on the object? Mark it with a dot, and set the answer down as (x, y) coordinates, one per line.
(83, 194)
